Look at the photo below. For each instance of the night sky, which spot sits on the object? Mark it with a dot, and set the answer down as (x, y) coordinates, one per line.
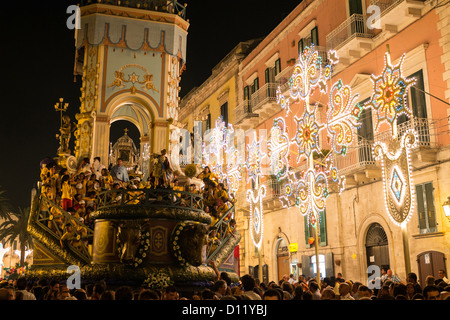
(37, 54)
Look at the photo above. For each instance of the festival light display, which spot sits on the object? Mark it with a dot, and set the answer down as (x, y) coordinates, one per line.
(222, 156)
(398, 187)
(278, 149)
(256, 194)
(390, 93)
(309, 190)
(389, 100)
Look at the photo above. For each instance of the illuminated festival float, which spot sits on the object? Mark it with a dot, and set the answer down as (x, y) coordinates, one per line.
(130, 59)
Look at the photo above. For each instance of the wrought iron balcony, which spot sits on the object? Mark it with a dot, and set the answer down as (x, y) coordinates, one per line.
(169, 6)
(397, 12)
(427, 131)
(353, 27)
(357, 158)
(266, 94)
(243, 111)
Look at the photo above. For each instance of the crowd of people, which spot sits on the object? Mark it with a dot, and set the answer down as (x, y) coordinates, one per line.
(248, 288)
(77, 194)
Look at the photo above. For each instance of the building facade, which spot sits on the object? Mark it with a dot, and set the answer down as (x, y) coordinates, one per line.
(356, 230)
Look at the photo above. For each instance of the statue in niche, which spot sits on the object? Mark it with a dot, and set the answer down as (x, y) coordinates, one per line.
(65, 134)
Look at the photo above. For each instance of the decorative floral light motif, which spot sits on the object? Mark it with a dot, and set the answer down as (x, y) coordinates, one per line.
(254, 160)
(390, 94)
(221, 153)
(307, 74)
(307, 134)
(311, 193)
(282, 101)
(343, 116)
(278, 147)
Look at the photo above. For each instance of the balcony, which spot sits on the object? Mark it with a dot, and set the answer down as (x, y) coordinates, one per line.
(396, 14)
(244, 117)
(264, 100)
(358, 165)
(427, 136)
(351, 39)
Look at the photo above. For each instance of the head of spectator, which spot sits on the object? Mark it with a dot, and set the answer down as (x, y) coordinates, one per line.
(248, 282)
(124, 293)
(272, 294)
(431, 292)
(220, 288)
(328, 294)
(364, 291)
(171, 293)
(148, 294)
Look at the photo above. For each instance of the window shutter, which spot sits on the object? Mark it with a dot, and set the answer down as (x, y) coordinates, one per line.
(329, 264)
(323, 228)
(306, 266)
(224, 113)
(265, 274)
(246, 93)
(267, 75)
(256, 84)
(300, 46)
(277, 66)
(421, 207)
(208, 122)
(307, 232)
(430, 206)
(314, 36)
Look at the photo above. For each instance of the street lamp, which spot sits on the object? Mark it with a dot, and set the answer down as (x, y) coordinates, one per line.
(446, 206)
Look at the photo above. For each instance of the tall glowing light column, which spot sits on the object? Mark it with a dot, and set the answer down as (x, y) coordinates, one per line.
(256, 194)
(389, 100)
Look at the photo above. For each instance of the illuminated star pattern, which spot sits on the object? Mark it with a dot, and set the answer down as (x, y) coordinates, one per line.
(307, 134)
(389, 98)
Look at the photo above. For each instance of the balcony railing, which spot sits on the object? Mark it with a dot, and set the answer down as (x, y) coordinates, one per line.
(426, 132)
(387, 5)
(358, 156)
(266, 94)
(150, 198)
(354, 27)
(243, 110)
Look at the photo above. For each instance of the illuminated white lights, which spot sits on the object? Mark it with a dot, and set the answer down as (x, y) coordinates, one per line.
(256, 214)
(396, 168)
(278, 149)
(390, 93)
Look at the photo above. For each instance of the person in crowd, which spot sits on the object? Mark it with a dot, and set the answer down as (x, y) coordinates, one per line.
(248, 283)
(442, 275)
(119, 173)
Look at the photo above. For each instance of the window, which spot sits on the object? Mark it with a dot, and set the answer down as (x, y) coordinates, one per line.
(309, 230)
(312, 38)
(365, 134)
(224, 113)
(208, 122)
(322, 268)
(425, 208)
